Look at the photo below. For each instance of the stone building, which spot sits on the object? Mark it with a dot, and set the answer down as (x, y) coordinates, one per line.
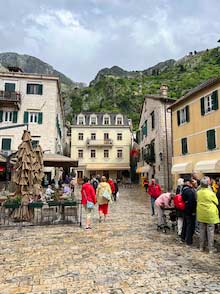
(155, 139)
(31, 101)
(101, 143)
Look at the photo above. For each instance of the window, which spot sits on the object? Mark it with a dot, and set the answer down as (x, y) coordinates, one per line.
(6, 144)
(93, 153)
(106, 136)
(184, 146)
(35, 143)
(119, 153)
(183, 115)
(119, 136)
(9, 87)
(93, 120)
(81, 120)
(119, 120)
(152, 120)
(8, 116)
(80, 153)
(211, 144)
(106, 120)
(144, 128)
(93, 136)
(36, 89)
(80, 136)
(33, 117)
(106, 153)
(209, 103)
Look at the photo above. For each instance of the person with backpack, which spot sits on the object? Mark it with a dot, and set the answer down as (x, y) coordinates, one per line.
(154, 190)
(189, 215)
(94, 182)
(179, 205)
(88, 200)
(103, 194)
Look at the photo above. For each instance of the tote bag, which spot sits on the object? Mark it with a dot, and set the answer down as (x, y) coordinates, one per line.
(106, 195)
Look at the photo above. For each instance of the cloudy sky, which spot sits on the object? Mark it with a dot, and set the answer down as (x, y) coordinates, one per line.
(80, 37)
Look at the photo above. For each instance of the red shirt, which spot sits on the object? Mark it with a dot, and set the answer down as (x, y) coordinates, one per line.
(154, 190)
(88, 193)
(112, 185)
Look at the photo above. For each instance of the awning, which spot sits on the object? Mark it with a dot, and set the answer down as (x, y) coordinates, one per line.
(107, 166)
(182, 168)
(208, 166)
(58, 160)
(143, 169)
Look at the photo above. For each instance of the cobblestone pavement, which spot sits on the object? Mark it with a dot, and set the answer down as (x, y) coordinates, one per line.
(124, 255)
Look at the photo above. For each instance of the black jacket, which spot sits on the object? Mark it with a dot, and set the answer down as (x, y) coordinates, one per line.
(189, 197)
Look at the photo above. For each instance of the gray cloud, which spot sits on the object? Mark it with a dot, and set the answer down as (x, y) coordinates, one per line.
(82, 36)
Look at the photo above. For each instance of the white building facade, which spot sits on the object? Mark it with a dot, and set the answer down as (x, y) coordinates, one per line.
(35, 101)
(155, 139)
(101, 143)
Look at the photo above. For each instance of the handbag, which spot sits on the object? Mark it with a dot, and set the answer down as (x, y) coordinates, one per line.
(106, 195)
(89, 204)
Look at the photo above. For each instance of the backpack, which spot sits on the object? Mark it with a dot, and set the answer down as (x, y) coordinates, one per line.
(95, 184)
(178, 202)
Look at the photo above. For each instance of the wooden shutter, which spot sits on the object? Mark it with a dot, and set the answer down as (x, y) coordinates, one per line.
(40, 89)
(202, 104)
(211, 139)
(184, 146)
(1, 116)
(26, 115)
(178, 117)
(28, 89)
(40, 118)
(215, 99)
(187, 113)
(6, 144)
(15, 116)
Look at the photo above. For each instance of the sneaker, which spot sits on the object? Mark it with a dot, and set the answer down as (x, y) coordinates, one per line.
(88, 228)
(152, 214)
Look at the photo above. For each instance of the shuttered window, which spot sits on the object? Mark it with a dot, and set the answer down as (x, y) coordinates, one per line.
(33, 117)
(183, 115)
(36, 89)
(209, 103)
(211, 144)
(152, 120)
(9, 87)
(6, 144)
(184, 146)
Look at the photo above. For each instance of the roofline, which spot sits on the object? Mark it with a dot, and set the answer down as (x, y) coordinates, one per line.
(159, 97)
(196, 90)
(31, 75)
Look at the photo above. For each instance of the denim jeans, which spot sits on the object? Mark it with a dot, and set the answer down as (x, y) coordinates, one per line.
(152, 204)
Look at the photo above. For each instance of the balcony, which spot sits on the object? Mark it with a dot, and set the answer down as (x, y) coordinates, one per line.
(99, 143)
(10, 99)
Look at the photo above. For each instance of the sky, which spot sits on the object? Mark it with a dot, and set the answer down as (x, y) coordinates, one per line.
(80, 37)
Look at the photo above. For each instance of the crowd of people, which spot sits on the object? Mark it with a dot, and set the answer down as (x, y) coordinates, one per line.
(98, 190)
(196, 206)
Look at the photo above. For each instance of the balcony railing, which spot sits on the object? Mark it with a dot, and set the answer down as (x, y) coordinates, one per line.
(10, 96)
(107, 142)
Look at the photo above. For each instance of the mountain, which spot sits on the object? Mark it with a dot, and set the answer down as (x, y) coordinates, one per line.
(115, 89)
(31, 64)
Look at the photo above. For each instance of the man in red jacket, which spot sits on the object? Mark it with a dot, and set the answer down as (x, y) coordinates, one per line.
(154, 190)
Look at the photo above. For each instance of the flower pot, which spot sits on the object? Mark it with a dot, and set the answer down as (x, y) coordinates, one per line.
(35, 205)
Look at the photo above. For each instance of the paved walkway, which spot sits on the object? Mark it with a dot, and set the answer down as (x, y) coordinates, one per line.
(124, 255)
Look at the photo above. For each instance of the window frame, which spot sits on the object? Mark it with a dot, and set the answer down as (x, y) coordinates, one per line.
(184, 148)
(119, 153)
(34, 89)
(10, 83)
(81, 120)
(92, 153)
(34, 115)
(10, 140)
(93, 136)
(80, 136)
(93, 120)
(106, 136)
(119, 137)
(207, 142)
(106, 153)
(152, 120)
(80, 153)
(119, 118)
(8, 116)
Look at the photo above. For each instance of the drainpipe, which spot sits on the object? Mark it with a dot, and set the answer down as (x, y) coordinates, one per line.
(167, 151)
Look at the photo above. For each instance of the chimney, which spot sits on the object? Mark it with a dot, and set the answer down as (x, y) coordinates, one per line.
(164, 90)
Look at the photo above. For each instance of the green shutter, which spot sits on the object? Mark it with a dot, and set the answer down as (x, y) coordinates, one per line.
(6, 144)
(15, 116)
(26, 114)
(40, 89)
(187, 113)
(40, 118)
(1, 116)
(215, 99)
(178, 117)
(28, 88)
(184, 146)
(211, 139)
(9, 87)
(202, 104)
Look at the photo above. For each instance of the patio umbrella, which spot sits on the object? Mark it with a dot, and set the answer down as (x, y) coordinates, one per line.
(23, 176)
